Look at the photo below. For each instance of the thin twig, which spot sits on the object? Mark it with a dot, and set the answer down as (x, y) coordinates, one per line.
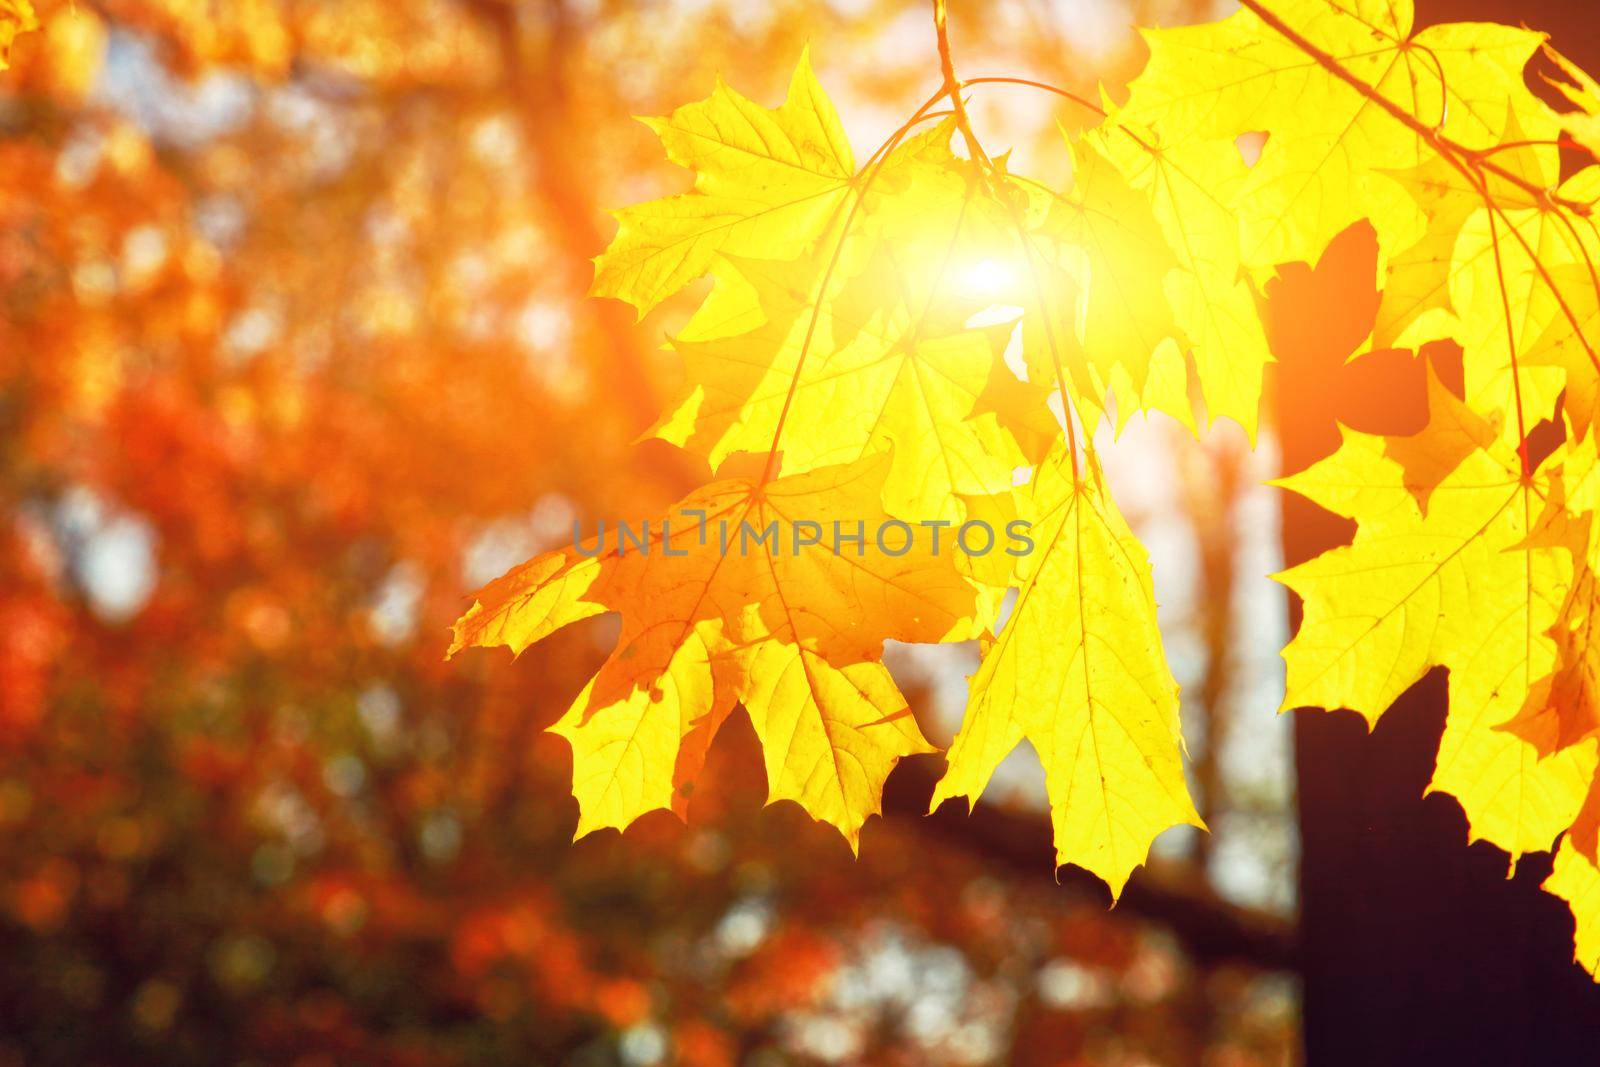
(952, 86)
(868, 175)
(1453, 151)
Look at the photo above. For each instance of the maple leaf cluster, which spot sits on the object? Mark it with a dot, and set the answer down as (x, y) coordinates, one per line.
(844, 352)
(865, 386)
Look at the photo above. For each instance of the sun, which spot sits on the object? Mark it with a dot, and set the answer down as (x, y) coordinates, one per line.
(988, 277)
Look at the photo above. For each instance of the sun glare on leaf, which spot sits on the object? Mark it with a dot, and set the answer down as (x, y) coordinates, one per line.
(988, 277)
(992, 281)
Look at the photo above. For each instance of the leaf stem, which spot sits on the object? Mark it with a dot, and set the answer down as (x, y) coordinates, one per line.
(952, 85)
(868, 175)
(1511, 346)
(1558, 142)
(1046, 86)
(1050, 342)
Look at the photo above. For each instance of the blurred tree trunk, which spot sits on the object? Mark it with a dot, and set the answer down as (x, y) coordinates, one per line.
(1416, 948)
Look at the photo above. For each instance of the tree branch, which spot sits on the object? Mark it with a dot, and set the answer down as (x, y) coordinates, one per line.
(1211, 929)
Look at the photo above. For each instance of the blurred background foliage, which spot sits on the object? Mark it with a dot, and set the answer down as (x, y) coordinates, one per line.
(293, 354)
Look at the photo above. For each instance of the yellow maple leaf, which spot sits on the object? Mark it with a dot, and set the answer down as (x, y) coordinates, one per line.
(1563, 708)
(847, 382)
(1103, 310)
(1078, 671)
(1192, 197)
(767, 182)
(1575, 878)
(1416, 305)
(870, 346)
(1583, 92)
(1513, 796)
(1455, 431)
(1522, 287)
(738, 594)
(1456, 586)
(1326, 139)
(1409, 593)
